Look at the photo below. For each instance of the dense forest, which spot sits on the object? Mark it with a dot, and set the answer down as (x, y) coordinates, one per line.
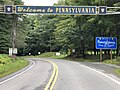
(53, 33)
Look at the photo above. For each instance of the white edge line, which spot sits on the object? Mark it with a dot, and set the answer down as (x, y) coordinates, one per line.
(102, 74)
(19, 73)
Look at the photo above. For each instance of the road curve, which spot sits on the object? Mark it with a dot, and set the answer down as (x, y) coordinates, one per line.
(75, 76)
(72, 76)
(34, 79)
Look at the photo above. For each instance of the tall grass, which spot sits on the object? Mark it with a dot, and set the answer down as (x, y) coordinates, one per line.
(9, 65)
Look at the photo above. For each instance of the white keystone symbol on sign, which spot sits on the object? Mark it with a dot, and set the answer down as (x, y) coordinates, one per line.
(8, 8)
(102, 9)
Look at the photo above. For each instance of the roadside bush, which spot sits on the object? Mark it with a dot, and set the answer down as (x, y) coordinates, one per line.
(9, 65)
(112, 62)
(4, 59)
(48, 54)
(118, 59)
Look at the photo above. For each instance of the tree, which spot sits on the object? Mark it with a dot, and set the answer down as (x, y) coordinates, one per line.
(40, 37)
(5, 26)
(5, 32)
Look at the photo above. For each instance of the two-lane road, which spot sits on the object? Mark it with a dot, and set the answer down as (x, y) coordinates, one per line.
(72, 76)
(34, 79)
(75, 76)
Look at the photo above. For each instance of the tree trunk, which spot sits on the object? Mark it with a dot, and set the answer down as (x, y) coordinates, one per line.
(14, 25)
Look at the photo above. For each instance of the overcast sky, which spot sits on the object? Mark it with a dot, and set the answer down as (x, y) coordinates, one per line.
(40, 2)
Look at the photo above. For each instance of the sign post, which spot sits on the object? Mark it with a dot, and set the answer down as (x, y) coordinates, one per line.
(111, 54)
(106, 43)
(100, 55)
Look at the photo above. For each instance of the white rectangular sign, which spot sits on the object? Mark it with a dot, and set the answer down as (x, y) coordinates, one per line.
(57, 54)
(12, 51)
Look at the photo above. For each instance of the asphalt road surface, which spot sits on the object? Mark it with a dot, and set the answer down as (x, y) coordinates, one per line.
(34, 79)
(72, 76)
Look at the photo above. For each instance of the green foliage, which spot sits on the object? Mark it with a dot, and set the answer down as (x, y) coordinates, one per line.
(84, 60)
(6, 26)
(4, 59)
(23, 28)
(117, 71)
(118, 59)
(48, 54)
(67, 32)
(9, 65)
(52, 55)
(40, 37)
(11, 2)
(4, 32)
(111, 62)
(43, 33)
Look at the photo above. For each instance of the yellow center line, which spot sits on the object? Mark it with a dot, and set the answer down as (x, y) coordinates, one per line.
(50, 85)
(55, 79)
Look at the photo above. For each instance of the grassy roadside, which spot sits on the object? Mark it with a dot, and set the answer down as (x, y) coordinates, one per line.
(114, 61)
(117, 71)
(47, 55)
(64, 56)
(10, 65)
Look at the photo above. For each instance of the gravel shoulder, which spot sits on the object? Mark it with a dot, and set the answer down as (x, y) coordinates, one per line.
(74, 75)
(105, 68)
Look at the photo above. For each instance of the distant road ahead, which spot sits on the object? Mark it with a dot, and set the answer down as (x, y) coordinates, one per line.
(72, 76)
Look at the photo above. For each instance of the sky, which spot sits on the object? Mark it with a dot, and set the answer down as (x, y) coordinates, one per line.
(40, 2)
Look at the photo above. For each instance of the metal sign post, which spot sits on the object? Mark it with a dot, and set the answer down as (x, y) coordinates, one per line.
(111, 54)
(100, 55)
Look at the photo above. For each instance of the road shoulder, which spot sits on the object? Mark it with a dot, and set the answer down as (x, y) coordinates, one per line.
(16, 73)
(107, 69)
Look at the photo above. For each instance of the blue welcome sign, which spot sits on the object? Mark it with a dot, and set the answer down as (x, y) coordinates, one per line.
(106, 43)
(84, 10)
